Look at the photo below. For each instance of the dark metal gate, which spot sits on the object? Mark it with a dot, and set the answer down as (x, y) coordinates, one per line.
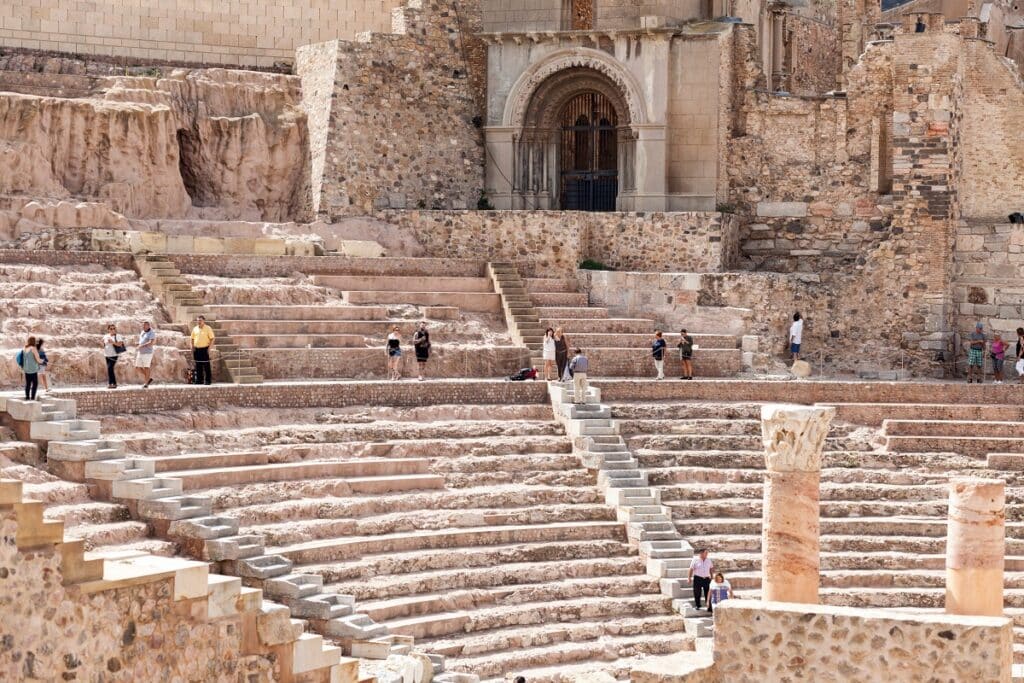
(589, 146)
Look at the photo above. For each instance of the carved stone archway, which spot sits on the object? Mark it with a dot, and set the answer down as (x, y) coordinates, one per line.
(536, 107)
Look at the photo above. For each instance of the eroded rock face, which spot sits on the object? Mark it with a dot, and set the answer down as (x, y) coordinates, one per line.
(210, 144)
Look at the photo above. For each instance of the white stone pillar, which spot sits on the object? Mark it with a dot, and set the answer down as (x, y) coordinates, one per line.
(499, 169)
(649, 168)
(793, 438)
(975, 546)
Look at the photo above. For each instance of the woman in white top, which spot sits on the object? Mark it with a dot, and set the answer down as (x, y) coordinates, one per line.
(113, 346)
(548, 353)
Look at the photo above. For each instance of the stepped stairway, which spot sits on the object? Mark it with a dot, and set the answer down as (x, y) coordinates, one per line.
(620, 347)
(474, 531)
(164, 498)
(267, 627)
(70, 307)
(340, 313)
(184, 306)
(884, 493)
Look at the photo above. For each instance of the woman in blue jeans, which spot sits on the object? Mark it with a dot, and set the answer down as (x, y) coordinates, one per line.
(113, 346)
(30, 364)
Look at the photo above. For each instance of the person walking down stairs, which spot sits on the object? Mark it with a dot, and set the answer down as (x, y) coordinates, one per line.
(394, 351)
(29, 362)
(658, 353)
(701, 568)
(202, 342)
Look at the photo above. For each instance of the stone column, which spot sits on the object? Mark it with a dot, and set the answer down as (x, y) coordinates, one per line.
(975, 546)
(793, 438)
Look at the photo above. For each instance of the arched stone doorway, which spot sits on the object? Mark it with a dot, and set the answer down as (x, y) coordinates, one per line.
(575, 148)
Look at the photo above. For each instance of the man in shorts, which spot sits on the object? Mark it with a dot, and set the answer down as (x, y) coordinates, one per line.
(976, 355)
(144, 353)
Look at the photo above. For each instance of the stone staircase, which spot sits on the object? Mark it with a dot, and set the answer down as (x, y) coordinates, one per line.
(520, 314)
(620, 347)
(884, 494)
(649, 525)
(268, 627)
(474, 531)
(187, 519)
(184, 306)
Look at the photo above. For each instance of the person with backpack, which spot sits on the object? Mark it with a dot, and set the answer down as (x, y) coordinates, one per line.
(686, 354)
(113, 346)
(658, 353)
(29, 361)
(44, 364)
(421, 344)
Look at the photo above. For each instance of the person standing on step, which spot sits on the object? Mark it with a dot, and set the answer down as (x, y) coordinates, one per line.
(549, 354)
(202, 342)
(561, 353)
(658, 353)
(998, 351)
(976, 354)
(30, 362)
(701, 568)
(796, 335)
(1020, 355)
(686, 354)
(113, 347)
(579, 365)
(421, 344)
(720, 590)
(44, 364)
(394, 351)
(144, 353)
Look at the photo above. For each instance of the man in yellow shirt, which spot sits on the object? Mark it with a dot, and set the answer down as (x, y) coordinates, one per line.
(202, 342)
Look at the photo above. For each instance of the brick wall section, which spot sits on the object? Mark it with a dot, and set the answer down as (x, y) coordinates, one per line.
(228, 32)
(311, 394)
(815, 62)
(225, 265)
(371, 363)
(399, 117)
(68, 258)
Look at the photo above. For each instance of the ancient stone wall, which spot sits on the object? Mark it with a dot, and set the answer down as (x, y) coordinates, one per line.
(136, 633)
(814, 55)
(394, 117)
(817, 642)
(556, 242)
(233, 32)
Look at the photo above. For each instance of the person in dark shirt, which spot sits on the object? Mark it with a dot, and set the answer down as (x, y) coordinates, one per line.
(658, 353)
(686, 353)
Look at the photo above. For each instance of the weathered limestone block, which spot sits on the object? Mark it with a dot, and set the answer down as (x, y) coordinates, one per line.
(793, 438)
(975, 546)
(782, 209)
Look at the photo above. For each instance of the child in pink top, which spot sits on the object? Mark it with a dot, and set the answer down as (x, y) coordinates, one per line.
(998, 351)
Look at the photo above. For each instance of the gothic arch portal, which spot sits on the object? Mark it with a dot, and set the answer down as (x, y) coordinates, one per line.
(573, 148)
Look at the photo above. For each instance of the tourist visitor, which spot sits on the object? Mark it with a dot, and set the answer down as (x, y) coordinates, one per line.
(202, 342)
(144, 353)
(998, 351)
(579, 367)
(421, 345)
(44, 364)
(113, 347)
(29, 362)
(686, 354)
(1020, 355)
(658, 353)
(976, 354)
(796, 334)
(720, 590)
(561, 353)
(548, 353)
(394, 351)
(700, 576)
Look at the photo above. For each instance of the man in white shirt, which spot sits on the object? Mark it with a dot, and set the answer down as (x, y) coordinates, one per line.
(700, 576)
(796, 333)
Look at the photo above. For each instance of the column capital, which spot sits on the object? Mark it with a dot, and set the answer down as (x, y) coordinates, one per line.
(794, 436)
